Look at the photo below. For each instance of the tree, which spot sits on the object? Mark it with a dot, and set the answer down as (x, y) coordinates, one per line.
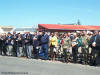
(78, 22)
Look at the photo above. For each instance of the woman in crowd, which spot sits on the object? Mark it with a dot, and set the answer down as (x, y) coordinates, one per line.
(53, 45)
(75, 48)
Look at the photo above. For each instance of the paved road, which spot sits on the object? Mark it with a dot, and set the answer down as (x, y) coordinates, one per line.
(22, 66)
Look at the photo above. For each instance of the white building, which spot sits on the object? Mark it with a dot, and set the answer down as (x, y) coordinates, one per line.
(25, 29)
(6, 29)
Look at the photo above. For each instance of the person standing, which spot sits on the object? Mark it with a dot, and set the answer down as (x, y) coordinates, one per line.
(14, 37)
(19, 45)
(84, 48)
(94, 43)
(3, 45)
(53, 44)
(9, 44)
(28, 45)
(75, 48)
(35, 46)
(66, 47)
(44, 44)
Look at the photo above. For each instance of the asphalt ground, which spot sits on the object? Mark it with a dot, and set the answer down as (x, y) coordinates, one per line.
(23, 66)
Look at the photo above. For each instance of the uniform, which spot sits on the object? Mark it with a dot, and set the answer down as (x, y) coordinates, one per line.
(84, 49)
(66, 47)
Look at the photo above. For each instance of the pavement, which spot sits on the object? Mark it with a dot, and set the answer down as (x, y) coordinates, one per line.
(23, 66)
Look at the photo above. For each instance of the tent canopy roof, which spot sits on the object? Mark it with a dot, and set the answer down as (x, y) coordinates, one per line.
(68, 27)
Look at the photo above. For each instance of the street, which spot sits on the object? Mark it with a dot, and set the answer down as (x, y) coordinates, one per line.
(23, 66)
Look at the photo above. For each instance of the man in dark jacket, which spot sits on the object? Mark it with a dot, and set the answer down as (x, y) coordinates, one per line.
(35, 46)
(28, 44)
(94, 43)
(44, 45)
(9, 44)
(19, 45)
(2, 45)
(14, 38)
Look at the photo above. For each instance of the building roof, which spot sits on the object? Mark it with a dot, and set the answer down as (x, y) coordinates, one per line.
(68, 27)
(25, 29)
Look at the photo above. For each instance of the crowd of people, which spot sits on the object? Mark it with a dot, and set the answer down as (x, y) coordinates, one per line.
(75, 47)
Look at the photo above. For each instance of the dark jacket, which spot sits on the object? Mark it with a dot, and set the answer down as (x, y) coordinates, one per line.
(20, 43)
(9, 40)
(45, 39)
(35, 42)
(28, 39)
(39, 39)
(97, 42)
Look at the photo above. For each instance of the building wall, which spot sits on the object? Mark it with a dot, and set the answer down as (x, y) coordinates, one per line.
(6, 29)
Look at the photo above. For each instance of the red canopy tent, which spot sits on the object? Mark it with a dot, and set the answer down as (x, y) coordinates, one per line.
(59, 27)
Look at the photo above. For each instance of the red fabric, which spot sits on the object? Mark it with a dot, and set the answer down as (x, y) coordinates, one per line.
(60, 42)
(69, 27)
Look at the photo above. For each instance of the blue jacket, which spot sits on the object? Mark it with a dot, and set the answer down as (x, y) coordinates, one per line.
(45, 39)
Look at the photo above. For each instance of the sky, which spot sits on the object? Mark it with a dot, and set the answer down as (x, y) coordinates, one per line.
(26, 13)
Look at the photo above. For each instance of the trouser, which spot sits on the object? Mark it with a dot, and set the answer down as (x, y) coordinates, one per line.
(74, 53)
(28, 49)
(0, 50)
(52, 52)
(4, 50)
(94, 55)
(19, 51)
(15, 50)
(66, 54)
(9, 50)
(98, 59)
(84, 55)
(45, 51)
(24, 51)
(35, 52)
